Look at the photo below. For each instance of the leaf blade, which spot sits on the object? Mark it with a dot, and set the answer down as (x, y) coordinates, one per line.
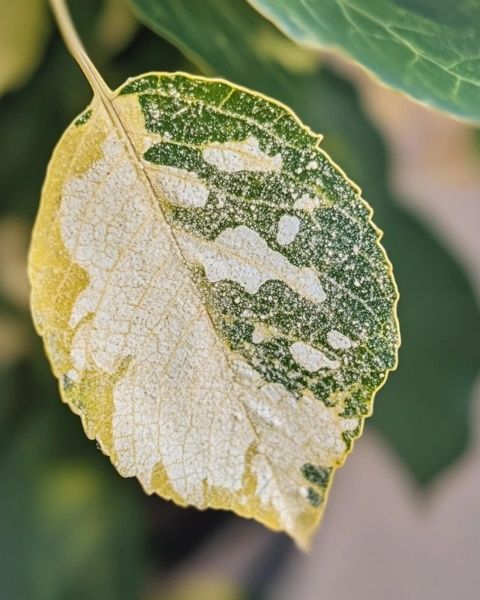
(200, 346)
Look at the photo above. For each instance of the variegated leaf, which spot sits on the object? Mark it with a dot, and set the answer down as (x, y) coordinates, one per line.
(213, 296)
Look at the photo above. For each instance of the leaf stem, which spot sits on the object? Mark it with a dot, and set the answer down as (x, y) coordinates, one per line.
(77, 50)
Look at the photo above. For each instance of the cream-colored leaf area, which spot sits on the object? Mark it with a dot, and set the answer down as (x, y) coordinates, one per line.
(145, 311)
(195, 348)
(312, 359)
(241, 156)
(260, 333)
(307, 203)
(288, 227)
(181, 187)
(241, 255)
(338, 341)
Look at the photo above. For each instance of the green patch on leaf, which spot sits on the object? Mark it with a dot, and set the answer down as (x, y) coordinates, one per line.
(83, 118)
(318, 475)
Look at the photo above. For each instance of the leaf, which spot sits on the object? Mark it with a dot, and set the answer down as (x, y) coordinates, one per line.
(23, 34)
(425, 48)
(212, 296)
(424, 410)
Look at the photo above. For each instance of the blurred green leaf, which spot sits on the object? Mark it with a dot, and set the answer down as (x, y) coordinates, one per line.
(427, 48)
(424, 408)
(234, 47)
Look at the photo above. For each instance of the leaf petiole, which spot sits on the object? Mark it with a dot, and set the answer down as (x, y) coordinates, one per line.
(77, 49)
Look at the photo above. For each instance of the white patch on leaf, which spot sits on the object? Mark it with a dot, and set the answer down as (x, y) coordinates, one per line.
(142, 309)
(311, 358)
(307, 203)
(349, 424)
(181, 187)
(338, 341)
(260, 333)
(288, 227)
(240, 254)
(241, 156)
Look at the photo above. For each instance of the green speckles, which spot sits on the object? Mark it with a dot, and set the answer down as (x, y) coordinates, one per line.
(318, 475)
(67, 382)
(175, 155)
(83, 118)
(73, 392)
(236, 332)
(262, 112)
(349, 437)
(193, 122)
(211, 92)
(314, 497)
(358, 402)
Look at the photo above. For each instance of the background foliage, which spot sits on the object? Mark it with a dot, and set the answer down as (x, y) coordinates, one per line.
(70, 526)
(428, 49)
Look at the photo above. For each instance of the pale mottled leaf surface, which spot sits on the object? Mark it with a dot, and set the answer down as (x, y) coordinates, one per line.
(428, 48)
(213, 297)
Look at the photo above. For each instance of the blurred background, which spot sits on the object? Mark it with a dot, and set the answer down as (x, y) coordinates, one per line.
(403, 521)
